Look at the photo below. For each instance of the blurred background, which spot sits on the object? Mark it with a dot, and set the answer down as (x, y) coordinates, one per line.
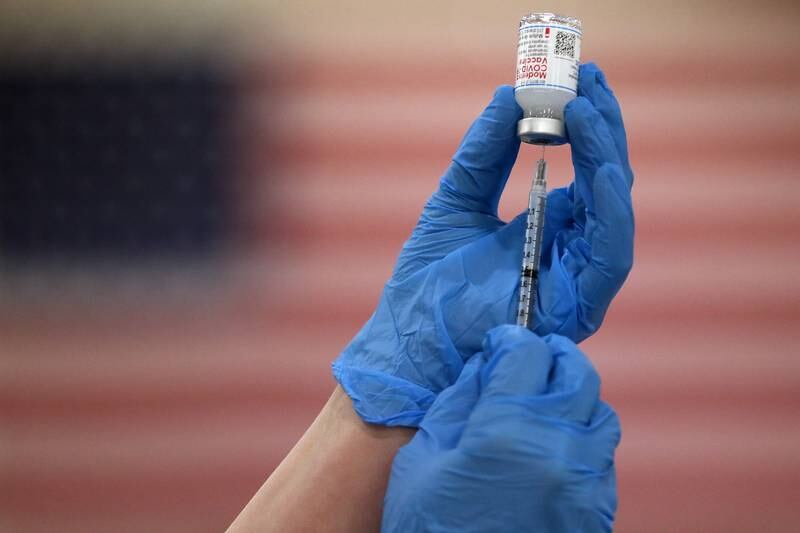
(200, 203)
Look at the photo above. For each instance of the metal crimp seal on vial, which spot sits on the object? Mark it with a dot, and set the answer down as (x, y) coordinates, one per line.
(534, 130)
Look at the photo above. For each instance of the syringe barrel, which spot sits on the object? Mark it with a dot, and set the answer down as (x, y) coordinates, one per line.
(531, 252)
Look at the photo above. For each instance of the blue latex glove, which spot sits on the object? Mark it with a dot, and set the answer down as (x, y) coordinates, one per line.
(519, 443)
(458, 275)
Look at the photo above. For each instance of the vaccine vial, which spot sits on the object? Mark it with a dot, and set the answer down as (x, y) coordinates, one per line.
(547, 75)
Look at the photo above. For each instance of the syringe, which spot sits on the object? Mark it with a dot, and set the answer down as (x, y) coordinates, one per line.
(533, 244)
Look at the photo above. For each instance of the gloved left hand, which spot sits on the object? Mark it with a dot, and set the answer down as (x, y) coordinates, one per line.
(458, 275)
(521, 442)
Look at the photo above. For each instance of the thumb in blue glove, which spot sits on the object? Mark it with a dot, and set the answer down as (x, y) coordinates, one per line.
(521, 442)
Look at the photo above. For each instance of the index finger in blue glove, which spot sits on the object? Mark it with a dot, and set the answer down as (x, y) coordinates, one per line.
(481, 165)
(593, 85)
(610, 232)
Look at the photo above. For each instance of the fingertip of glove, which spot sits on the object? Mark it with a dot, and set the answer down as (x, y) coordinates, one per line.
(504, 92)
(588, 69)
(591, 75)
(507, 329)
(503, 102)
(508, 336)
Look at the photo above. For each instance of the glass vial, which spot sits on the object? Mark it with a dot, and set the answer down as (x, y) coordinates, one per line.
(547, 75)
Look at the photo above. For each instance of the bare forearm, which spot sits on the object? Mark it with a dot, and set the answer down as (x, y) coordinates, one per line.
(333, 480)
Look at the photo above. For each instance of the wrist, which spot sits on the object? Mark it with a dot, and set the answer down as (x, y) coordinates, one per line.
(333, 479)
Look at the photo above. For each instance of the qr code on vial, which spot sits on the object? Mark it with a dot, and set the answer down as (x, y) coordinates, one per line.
(565, 44)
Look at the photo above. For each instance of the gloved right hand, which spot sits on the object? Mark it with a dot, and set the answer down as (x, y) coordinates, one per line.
(521, 442)
(458, 275)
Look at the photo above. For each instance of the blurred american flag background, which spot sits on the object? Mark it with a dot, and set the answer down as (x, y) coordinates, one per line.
(201, 202)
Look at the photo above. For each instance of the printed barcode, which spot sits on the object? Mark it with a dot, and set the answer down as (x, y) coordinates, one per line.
(565, 44)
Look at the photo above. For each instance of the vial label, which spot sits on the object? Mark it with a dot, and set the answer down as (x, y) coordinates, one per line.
(548, 56)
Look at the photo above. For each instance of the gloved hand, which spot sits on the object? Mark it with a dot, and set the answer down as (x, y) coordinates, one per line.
(519, 443)
(457, 276)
